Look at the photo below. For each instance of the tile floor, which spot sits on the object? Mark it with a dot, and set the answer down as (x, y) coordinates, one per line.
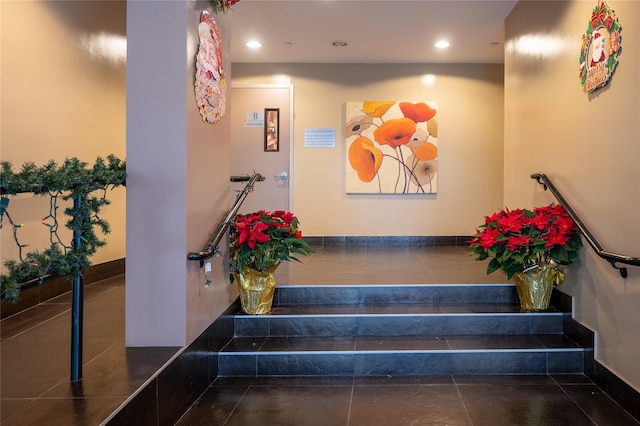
(406, 401)
(387, 265)
(35, 361)
(35, 386)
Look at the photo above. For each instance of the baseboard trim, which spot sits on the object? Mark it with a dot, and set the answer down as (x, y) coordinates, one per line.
(626, 396)
(623, 394)
(59, 285)
(388, 241)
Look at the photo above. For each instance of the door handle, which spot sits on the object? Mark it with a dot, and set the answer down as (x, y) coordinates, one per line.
(281, 176)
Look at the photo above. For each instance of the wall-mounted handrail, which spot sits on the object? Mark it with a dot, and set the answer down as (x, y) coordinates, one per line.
(612, 258)
(244, 178)
(210, 249)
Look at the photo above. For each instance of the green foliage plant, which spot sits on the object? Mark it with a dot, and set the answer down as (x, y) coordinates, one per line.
(71, 180)
(262, 240)
(516, 240)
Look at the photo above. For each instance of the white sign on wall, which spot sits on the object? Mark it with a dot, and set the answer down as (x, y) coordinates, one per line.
(254, 119)
(319, 138)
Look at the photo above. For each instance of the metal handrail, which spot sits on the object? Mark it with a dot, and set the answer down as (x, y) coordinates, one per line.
(612, 258)
(212, 245)
(77, 299)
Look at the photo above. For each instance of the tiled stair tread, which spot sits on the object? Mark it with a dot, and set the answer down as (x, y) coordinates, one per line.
(400, 330)
(397, 293)
(386, 286)
(402, 309)
(381, 344)
(393, 287)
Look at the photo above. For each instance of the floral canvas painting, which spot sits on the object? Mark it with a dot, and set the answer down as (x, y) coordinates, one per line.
(391, 147)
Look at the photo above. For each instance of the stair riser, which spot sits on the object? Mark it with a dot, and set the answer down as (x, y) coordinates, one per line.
(376, 364)
(398, 294)
(303, 338)
(402, 325)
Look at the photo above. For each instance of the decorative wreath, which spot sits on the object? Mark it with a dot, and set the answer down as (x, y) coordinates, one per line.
(210, 86)
(601, 45)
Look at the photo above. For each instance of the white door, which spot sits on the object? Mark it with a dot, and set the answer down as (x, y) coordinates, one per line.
(261, 141)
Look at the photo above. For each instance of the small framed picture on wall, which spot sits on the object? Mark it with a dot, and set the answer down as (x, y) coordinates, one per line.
(272, 129)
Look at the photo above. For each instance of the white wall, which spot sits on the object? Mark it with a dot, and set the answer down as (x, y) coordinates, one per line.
(589, 146)
(470, 126)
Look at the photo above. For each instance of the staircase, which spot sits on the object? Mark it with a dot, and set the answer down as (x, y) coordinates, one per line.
(380, 330)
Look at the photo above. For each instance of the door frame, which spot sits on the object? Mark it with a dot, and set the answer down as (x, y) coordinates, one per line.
(291, 115)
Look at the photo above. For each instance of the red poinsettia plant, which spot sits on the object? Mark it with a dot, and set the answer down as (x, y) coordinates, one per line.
(517, 240)
(224, 5)
(262, 240)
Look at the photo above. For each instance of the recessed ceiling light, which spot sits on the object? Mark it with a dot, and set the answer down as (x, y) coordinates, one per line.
(442, 44)
(428, 79)
(254, 44)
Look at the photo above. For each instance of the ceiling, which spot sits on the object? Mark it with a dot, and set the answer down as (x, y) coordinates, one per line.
(376, 31)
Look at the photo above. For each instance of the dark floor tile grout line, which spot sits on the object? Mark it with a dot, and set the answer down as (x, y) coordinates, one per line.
(91, 299)
(353, 387)
(194, 403)
(236, 405)
(605, 394)
(101, 353)
(40, 324)
(65, 379)
(464, 406)
(51, 302)
(77, 398)
(564, 391)
(25, 312)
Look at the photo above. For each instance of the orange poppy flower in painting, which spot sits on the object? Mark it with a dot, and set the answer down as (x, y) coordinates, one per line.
(426, 151)
(376, 109)
(365, 158)
(395, 132)
(419, 112)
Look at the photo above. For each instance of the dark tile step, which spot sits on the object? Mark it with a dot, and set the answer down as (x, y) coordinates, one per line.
(530, 354)
(398, 308)
(396, 294)
(400, 343)
(398, 324)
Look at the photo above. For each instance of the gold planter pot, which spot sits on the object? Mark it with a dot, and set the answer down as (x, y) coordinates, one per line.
(536, 285)
(256, 290)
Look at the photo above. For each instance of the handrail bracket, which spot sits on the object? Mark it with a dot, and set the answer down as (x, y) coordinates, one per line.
(622, 269)
(538, 178)
(211, 248)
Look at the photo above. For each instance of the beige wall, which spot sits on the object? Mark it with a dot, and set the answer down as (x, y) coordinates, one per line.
(63, 95)
(470, 126)
(208, 193)
(589, 146)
